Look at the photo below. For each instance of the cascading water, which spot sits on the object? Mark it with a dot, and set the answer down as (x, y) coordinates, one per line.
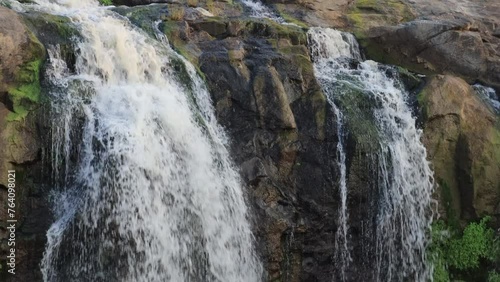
(259, 10)
(320, 39)
(147, 189)
(405, 184)
(489, 96)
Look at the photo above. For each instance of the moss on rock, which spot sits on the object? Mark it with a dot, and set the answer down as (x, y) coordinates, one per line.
(365, 14)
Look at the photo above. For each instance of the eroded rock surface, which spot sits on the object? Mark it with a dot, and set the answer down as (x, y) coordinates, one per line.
(462, 136)
(426, 46)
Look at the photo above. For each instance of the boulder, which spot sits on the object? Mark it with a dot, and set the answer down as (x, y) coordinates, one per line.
(462, 136)
(437, 46)
(23, 129)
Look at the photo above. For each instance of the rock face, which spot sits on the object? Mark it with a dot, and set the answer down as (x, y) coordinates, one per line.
(267, 98)
(463, 140)
(282, 130)
(24, 130)
(21, 55)
(426, 46)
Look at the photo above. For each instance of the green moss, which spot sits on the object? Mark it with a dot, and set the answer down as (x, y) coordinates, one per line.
(422, 102)
(289, 18)
(28, 92)
(357, 20)
(447, 202)
(358, 112)
(369, 13)
(52, 27)
(106, 2)
(410, 80)
(171, 30)
(270, 29)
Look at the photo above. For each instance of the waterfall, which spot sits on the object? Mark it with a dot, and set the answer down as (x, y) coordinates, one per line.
(322, 46)
(405, 181)
(145, 189)
(489, 96)
(259, 10)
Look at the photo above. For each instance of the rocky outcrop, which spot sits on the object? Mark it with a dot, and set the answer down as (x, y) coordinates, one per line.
(266, 96)
(363, 15)
(21, 56)
(24, 129)
(462, 136)
(283, 133)
(425, 46)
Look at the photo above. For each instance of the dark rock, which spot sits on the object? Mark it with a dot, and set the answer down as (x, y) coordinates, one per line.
(24, 128)
(266, 96)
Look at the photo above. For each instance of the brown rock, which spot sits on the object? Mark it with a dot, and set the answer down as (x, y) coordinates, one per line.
(463, 142)
(443, 47)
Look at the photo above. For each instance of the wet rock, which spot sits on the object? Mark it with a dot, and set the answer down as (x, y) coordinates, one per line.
(266, 96)
(22, 127)
(435, 47)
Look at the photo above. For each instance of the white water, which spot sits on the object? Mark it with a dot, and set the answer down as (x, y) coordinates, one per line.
(261, 11)
(405, 180)
(329, 43)
(148, 191)
(489, 96)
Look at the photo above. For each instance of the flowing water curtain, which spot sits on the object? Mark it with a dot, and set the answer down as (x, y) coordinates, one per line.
(149, 192)
(324, 51)
(404, 182)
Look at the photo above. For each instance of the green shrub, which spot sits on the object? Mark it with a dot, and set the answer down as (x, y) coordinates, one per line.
(440, 237)
(493, 277)
(106, 2)
(462, 251)
(475, 243)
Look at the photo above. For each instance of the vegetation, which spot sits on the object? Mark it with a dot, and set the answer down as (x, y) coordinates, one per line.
(458, 254)
(493, 276)
(106, 2)
(26, 93)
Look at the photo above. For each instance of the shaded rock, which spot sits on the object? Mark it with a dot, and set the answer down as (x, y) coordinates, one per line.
(22, 129)
(462, 137)
(266, 96)
(435, 47)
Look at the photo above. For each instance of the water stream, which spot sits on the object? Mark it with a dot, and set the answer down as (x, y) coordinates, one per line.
(405, 181)
(147, 190)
